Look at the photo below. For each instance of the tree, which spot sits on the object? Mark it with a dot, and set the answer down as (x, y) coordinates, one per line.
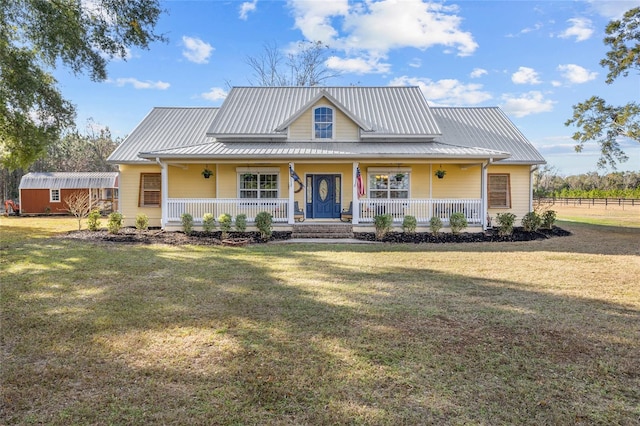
(38, 35)
(306, 66)
(599, 121)
(79, 204)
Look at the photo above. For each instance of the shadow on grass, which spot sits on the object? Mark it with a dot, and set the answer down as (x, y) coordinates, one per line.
(198, 335)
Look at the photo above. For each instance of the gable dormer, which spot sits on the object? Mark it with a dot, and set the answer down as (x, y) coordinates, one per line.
(323, 119)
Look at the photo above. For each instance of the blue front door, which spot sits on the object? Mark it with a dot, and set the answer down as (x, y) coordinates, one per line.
(325, 203)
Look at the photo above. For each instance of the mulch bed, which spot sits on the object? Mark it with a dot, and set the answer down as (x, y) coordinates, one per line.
(158, 236)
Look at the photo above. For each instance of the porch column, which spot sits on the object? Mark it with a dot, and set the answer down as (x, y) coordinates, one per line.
(355, 207)
(290, 211)
(164, 193)
(483, 195)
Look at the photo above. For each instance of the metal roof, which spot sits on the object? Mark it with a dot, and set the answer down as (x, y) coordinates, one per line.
(327, 150)
(485, 127)
(164, 128)
(261, 112)
(70, 180)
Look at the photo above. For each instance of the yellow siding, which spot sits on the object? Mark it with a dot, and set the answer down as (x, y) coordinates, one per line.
(129, 192)
(519, 179)
(186, 181)
(344, 128)
(459, 182)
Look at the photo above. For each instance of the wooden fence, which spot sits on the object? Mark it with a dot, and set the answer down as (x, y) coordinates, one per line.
(622, 202)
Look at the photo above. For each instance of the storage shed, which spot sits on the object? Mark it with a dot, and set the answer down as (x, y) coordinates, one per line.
(45, 193)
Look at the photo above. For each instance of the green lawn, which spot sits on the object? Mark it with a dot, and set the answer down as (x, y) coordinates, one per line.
(542, 332)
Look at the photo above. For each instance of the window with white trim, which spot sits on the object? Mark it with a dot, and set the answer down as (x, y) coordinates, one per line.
(389, 185)
(54, 195)
(498, 191)
(258, 185)
(323, 123)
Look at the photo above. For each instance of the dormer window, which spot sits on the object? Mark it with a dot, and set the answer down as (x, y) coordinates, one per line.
(323, 123)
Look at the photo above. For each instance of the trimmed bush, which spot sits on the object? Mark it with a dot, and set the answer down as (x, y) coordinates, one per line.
(264, 221)
(457, 222)
(93, 220)
(531, 222)
(114, 225)
(548, 219)
(383, 224)
(241, 222)
(409, 224)
(187, 223)
(505, 223)
(208, 222)
(142, 222)
(225, 220)
(435, 225)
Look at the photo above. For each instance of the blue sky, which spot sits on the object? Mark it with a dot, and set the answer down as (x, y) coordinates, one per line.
(534, 59)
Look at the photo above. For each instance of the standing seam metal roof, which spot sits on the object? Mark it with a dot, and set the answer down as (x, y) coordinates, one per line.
(395, 111)
(69, 180)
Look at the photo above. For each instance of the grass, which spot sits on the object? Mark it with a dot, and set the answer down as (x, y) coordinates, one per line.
(621, 216)
(543, 332)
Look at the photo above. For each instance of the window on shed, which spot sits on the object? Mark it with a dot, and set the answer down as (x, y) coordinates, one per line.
(150, 189)
(323, 123)
(499, 191)
(54, 195)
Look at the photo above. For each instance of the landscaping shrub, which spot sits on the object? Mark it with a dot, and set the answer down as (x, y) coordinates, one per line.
(187, 223)
(114, 223)
(264, 221)
(505, 223)
(383, 224)
(93, 220)
(225, 221)
(208, 222)
(142, 222)
(241, 222)
(457, 222)
(548, 219)
(435, 225)
(409, 224)
(531, 222)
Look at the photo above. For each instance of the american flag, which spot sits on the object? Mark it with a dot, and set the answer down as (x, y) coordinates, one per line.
(359, 183)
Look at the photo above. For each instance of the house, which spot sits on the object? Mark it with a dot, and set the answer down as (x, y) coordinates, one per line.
(376, 149)
(45, 193)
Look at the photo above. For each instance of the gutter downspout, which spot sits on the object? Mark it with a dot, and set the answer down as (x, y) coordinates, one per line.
(164, 193)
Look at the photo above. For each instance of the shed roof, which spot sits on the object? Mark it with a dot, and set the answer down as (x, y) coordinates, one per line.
(261, 112)
(164, 128)
(69, 180)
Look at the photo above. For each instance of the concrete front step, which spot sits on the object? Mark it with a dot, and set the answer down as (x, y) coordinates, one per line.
(313, 230)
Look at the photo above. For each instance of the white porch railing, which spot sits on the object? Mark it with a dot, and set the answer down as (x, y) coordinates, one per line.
(422, 209)
(197, 207)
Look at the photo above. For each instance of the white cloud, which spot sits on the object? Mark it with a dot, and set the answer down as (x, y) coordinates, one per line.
(246, 7)
(196, 50)
(478, 72)
(527, 103)
(375, 27)
(415, 63)
(137, 84)
(575, 74)
(214, 94)
(580, 28)
(445, 92)
(358, 65)
(613, 9)
(525, 75)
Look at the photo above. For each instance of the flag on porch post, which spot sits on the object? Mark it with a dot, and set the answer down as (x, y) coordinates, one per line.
(296, 178)
(359, 182)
